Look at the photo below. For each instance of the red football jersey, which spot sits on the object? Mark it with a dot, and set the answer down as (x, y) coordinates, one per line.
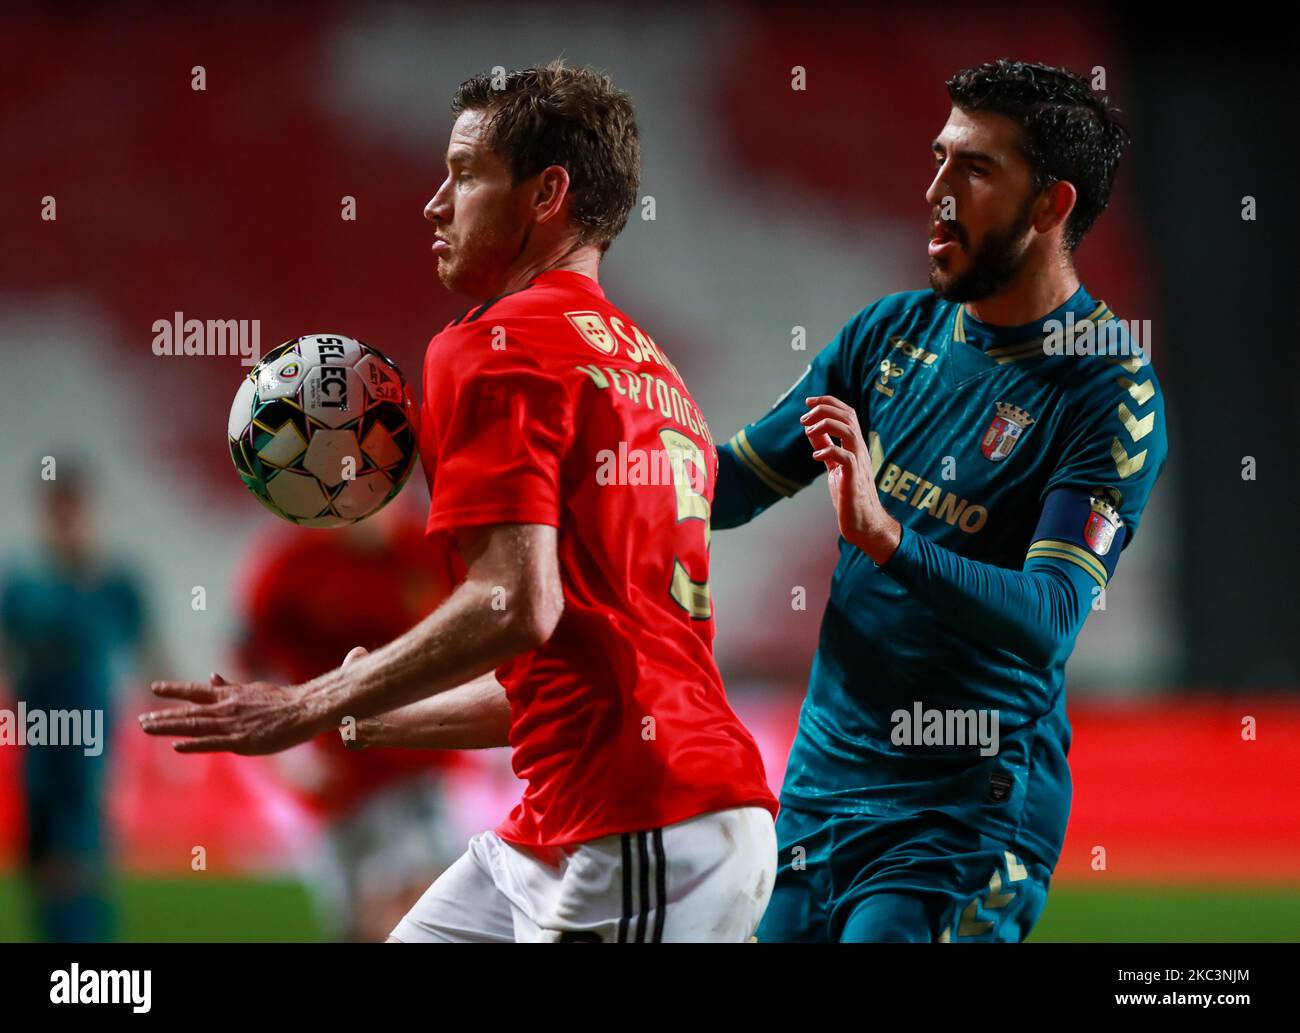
(550, 406)
(307, 596)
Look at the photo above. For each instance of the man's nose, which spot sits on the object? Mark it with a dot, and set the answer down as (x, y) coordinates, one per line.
(937, 192)
(438, 210)
(938, 188)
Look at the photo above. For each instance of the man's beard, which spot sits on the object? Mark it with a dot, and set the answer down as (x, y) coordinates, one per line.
(478, 260)
(992, 265)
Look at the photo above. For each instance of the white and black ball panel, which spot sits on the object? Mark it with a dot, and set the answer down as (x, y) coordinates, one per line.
(321, 430)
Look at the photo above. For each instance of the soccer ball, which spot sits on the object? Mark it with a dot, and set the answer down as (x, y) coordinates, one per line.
(322, 430)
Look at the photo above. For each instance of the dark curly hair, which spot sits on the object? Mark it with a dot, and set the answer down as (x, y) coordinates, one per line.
(1068, 132)
(572, 117)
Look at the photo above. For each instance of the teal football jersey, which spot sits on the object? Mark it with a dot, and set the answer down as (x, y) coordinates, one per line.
(1029, 448)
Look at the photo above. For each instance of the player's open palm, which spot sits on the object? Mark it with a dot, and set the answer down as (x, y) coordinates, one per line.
(837, 440)
(251, 718)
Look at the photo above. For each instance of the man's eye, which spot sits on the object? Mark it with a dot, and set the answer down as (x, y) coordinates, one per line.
(976, 171)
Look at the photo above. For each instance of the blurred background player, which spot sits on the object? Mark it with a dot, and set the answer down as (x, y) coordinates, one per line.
(306, 598)
(69, 616)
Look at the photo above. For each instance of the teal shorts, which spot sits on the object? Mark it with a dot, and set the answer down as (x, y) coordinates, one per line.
(847, 878)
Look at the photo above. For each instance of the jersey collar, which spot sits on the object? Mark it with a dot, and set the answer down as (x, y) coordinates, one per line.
(568, 278)
(986, 337)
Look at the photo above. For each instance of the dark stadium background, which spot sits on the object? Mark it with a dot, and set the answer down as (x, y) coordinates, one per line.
(774, 209)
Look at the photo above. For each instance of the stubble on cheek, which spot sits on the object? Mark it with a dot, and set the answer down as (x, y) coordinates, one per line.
(477, 258)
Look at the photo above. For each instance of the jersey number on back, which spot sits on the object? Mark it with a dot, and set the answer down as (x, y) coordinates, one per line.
(692, 504)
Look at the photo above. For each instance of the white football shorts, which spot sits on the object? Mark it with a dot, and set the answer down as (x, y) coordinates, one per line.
(705, 879)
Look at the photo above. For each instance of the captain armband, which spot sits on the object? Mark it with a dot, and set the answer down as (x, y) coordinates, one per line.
(1083, 528)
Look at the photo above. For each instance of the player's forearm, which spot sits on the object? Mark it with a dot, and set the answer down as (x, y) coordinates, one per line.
(1035, 615)
(469, 717)
(738, 496)
(460, 641)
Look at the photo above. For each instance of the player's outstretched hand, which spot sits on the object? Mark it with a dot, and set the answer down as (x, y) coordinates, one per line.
(256, 718)
(863, 520)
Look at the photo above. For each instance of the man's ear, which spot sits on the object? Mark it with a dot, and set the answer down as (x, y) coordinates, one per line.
(551, 193)
(1059, 200)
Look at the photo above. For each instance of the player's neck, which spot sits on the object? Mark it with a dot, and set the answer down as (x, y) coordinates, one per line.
(1028, 298)
(74, 562)
(584, 259)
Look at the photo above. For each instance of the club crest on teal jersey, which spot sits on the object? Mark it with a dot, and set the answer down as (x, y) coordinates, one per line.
(1102, 523)
(1007, 428)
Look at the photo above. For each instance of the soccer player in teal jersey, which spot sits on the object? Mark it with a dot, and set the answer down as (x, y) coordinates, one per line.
(70, 615)
(991, 444)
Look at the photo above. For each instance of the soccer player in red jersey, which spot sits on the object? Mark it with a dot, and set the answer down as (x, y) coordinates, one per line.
(304, 598)
(571, 477)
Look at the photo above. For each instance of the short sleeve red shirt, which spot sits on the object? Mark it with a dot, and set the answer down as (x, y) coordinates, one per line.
(550, 406)
(297, 623)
